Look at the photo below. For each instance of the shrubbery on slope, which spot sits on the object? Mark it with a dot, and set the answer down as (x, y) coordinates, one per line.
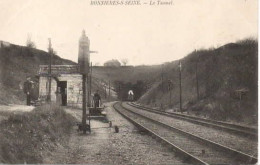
(25, 138)
(222, 72)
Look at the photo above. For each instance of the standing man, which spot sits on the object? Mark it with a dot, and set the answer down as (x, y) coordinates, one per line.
(27, 86)
(96, 99)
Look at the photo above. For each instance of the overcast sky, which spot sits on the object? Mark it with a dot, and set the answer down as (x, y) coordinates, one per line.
(143, 34)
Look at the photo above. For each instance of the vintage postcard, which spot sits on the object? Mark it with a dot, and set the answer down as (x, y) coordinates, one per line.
(129, 82)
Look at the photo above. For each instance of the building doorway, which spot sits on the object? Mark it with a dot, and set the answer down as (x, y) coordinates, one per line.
(63, 90)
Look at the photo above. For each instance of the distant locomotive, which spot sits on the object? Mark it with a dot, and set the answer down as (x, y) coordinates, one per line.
(130, 95)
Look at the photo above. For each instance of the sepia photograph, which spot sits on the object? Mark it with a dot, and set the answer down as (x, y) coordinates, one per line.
(129, 82)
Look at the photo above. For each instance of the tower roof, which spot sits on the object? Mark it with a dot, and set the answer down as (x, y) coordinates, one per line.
(83, 37)
(83, 33)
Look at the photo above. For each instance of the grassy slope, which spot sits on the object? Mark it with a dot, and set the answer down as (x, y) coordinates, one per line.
(17, 62)
(26, 138)
(221, 71)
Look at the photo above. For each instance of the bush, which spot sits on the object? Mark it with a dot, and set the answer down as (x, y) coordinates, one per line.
(25, 136)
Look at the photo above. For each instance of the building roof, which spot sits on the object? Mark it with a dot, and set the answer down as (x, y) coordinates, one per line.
(59, 69)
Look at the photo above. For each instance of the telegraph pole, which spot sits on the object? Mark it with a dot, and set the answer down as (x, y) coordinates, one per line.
(105, 91)
(162, 78)
(197, 80)
(90, 79)
(84, 69)
(88, 103)
(84, 98)
(89, 93)
(170, 89)
(119, 92)
(109, 90)
(180, 86)
(50, 62)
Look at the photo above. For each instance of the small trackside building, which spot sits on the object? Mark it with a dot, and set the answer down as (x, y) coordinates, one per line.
(66, 81)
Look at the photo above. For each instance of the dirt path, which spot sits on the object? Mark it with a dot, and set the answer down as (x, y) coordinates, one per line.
(104, 146)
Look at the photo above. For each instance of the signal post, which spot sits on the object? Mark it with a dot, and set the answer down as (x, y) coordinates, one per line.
(83, 62)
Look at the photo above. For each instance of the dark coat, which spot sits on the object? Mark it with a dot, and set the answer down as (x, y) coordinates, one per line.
(27, 86)
(96, 97)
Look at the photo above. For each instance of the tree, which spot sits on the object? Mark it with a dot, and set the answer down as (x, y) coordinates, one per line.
(30, 43)
(97, 64)
(124, 61)
(54, 52)
(112, 63)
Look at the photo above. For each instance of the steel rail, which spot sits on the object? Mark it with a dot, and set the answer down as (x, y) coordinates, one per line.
(187, 155)
(241, 130)
(238, 154)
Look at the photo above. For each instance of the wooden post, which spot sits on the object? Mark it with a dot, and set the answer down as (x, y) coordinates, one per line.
(84, 98)
(50, 61)
(109, 90)
(180, 86)
(88, 77)
(105, 91)
(170, 94)
(197, 80)
(162, 78)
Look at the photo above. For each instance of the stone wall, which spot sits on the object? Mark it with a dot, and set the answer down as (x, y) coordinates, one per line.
(74, 88)
(44, 88)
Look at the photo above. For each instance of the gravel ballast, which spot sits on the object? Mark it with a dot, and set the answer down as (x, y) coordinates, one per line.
(104, 146)
(231, 140)
(198, 149)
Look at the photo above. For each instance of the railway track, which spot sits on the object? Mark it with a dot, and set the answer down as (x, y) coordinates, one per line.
(195, 149)
(238, 129)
